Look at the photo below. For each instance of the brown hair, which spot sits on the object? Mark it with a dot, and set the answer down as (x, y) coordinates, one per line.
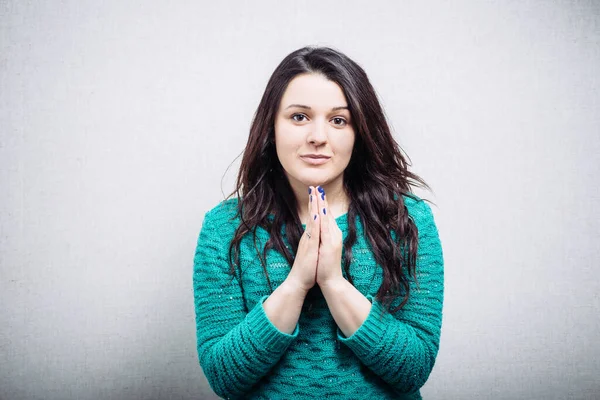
(375, 179)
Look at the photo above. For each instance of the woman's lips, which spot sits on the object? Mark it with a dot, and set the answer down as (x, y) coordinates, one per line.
(314, 160)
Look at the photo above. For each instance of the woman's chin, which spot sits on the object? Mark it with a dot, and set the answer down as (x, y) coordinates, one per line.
(310, 182)
(311, 178)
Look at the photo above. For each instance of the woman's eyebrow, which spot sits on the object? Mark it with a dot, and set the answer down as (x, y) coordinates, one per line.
(308, 108)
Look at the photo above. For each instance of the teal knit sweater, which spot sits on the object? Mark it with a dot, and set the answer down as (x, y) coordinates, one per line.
(243, 355)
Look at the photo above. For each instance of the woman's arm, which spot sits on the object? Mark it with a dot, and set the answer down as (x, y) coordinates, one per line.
(284, 305)
(235, 348)
(348, 306)
(400, 348)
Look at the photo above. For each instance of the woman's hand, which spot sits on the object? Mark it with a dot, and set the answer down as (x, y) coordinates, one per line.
(304, 271)
(329, 264)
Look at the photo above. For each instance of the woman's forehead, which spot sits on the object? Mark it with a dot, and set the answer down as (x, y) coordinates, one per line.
(313, 92)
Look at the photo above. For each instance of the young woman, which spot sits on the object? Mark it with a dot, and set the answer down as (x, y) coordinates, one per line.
(323, 278)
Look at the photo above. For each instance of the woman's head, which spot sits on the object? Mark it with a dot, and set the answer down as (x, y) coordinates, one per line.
(321, 78)
(301, 111)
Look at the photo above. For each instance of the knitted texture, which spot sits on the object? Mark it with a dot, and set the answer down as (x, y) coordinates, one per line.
(243, 355)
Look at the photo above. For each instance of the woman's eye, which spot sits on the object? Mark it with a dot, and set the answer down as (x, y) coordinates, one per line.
(339, 121)
(298, 117)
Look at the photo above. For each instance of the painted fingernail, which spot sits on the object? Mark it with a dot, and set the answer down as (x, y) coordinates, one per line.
(320, 189)
(324, 211)
(315, 217)
(311, 197)
(309, 190)
(322, 196)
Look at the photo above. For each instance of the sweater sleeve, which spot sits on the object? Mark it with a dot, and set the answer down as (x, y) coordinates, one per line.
(402, 348)
(236, 348)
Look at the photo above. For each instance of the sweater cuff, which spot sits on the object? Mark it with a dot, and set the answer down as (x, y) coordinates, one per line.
(270, 336)
(370, 335)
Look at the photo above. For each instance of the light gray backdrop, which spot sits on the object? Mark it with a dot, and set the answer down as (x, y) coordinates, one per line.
(118, 120)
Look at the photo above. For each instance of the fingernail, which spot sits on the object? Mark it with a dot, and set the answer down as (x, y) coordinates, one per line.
(311, 197)
(322, 196)
(324, 211)
(320, 189)
(315, 217)
(309, 190)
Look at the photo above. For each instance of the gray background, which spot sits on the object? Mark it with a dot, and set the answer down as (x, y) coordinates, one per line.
(118, 121)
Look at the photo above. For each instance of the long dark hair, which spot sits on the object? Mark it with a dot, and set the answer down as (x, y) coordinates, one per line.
(375, 179)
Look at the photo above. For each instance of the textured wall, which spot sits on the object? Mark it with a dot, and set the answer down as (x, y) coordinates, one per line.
(119, 119)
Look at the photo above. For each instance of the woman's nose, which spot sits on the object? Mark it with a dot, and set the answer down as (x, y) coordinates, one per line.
(318, 132)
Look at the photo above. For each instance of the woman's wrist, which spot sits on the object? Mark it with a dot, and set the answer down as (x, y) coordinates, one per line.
(284, 305)
(294, 287)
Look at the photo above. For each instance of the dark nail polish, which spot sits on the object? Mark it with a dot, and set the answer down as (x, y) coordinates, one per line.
(311, 198)
(324, 211)
(309, 190)
(320, 189)
(322, 196)
(315, 217)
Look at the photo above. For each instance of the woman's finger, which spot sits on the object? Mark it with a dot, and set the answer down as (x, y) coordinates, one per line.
(323, 212)
(308, 231)
(330, 216)
(315, 219)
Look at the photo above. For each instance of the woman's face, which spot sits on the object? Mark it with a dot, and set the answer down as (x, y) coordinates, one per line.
(313, 121)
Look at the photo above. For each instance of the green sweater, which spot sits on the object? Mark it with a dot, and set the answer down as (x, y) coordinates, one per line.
(243, 355)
